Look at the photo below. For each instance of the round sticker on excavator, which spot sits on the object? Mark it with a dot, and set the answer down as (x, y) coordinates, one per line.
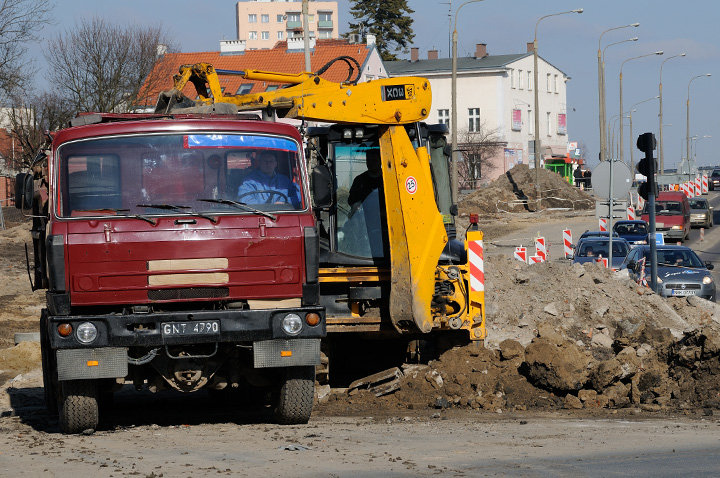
(411, 185)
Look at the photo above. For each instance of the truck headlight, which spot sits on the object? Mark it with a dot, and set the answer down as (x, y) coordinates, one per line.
(292, 324)
(86, 332)
(707, 280)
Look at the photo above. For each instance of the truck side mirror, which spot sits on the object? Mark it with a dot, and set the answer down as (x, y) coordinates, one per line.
(24, 191)
(322, 186)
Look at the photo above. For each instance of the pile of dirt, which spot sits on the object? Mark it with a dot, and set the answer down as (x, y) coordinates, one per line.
(568, 336)
(515, 191)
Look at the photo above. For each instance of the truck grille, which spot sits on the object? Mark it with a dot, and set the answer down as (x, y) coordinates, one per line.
(189, 293)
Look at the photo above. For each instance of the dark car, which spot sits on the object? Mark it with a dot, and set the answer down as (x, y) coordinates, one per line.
(597, 234)
(635, 232)
(591, 249)
(714, 180)
(701, 212)
(680, 271)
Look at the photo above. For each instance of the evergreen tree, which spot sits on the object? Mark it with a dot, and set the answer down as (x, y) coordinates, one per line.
(388, 20)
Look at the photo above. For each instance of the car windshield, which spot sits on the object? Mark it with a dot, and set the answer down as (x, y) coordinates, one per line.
(666, 208)
(716, 173)
(170, 174)
(676, 257)
(631, 228)
(698, 204)
(600, 248)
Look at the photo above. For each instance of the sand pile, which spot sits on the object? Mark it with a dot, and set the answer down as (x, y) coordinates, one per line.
(515, 192)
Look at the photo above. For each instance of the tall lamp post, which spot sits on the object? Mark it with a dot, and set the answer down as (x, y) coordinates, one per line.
(659, 52)
(687, 119)
(537, 101)
(632, 110)
(606, 134)
(601, 87)
(453, 94)
(695, 142)
(661, 155)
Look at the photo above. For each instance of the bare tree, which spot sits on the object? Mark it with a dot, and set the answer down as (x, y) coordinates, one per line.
(477, 148)
(20, 20)
(103, 67)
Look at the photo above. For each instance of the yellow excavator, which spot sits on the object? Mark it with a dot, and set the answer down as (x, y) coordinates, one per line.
(389, 267)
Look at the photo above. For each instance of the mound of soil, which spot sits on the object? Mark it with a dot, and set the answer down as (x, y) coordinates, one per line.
(515, 191)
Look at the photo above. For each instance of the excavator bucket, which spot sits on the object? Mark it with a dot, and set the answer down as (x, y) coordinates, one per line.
(173, 99)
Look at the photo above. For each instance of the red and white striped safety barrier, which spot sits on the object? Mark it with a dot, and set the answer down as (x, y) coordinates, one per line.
(683, 188)
(567, 243)
(705, 184)
(671, 187)
(477, 265)
(603, 224)
(691, 189)
(631, 213)
(541, 248)
(640, 203)
(536, 259)
(702, 234)
(641, 279)
(698, 186)
(602, 260)
(520, 254)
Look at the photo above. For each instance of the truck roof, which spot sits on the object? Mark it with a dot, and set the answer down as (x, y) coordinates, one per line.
(151, 123)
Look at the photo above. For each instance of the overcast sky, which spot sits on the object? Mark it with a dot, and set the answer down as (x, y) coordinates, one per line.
(570, 42)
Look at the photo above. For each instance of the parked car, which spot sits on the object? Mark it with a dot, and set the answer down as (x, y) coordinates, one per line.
(714, 180)
(672, 215)
(591, 249)
(701, 212)
(680, 271)
(635, 232)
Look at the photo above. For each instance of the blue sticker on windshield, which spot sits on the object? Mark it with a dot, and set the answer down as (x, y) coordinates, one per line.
(238, 141)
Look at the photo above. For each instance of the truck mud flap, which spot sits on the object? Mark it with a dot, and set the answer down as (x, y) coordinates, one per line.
(286, 353)
(82, 364)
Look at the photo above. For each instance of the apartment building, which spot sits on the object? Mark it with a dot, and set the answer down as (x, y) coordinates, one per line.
(262, 23)
(496, 93)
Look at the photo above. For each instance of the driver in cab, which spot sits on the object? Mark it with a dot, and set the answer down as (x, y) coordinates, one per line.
(264, 185)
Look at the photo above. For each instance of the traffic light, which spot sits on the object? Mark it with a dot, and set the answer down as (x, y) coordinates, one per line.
(647, 166)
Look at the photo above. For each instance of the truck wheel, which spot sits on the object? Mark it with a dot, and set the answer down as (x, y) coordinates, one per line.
(294, 401)
(78, 406)
(49, 368)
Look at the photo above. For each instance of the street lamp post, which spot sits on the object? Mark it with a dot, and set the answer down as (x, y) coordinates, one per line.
(661, 155)
(453, 94)
(537, 101)
(606, 134)
(601, 87)
(632, 109)
(695, 142)
(659, 52)
(687, 119)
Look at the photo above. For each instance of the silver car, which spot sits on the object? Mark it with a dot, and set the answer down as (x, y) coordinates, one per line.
(701, 213)
(680, 271)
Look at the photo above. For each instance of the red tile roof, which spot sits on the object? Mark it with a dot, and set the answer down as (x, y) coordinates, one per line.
(277, 59)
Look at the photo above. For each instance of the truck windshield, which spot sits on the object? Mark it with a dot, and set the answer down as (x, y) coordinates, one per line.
(133, 174)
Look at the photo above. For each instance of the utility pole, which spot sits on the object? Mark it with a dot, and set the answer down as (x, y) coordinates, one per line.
(306, 35)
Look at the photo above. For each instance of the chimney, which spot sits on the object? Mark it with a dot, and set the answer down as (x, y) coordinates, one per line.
(530, 46)
(432, 54)
(480, 50)
(414, 54)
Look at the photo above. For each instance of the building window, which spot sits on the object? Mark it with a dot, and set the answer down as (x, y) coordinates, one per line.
(293, 17)
(311, 18)
(265, 18)
(555, 86)
(265, 35)
(444, 117)
(252, 35)
(280, 18)
(280, 35)
(549, 124)
(512, 78)
(324, 34)
(252, 18)
(244, 89)
(272, 87)
(520, 79)
(547, 83)
(473, 120)
(325, 16)
(530, 78)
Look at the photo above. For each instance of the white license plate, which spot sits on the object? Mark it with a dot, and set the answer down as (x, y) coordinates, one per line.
(684, 292)
(203, 327)
(659, 224)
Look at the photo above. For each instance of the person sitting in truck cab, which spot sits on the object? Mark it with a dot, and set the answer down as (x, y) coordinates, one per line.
(365, 183)
(264, 185)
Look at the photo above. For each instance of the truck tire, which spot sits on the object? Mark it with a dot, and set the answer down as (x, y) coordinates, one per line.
(49, 368)
(294, 401)
(78, 406)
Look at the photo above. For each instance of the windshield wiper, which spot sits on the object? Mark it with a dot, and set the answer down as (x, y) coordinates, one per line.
(241, 205)
(173, 207)
(110, 209)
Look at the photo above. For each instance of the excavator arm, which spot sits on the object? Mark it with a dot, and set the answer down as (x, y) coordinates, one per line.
(388, 101)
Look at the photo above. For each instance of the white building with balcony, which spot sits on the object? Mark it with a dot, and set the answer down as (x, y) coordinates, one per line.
(262, 23)
(496, 93)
